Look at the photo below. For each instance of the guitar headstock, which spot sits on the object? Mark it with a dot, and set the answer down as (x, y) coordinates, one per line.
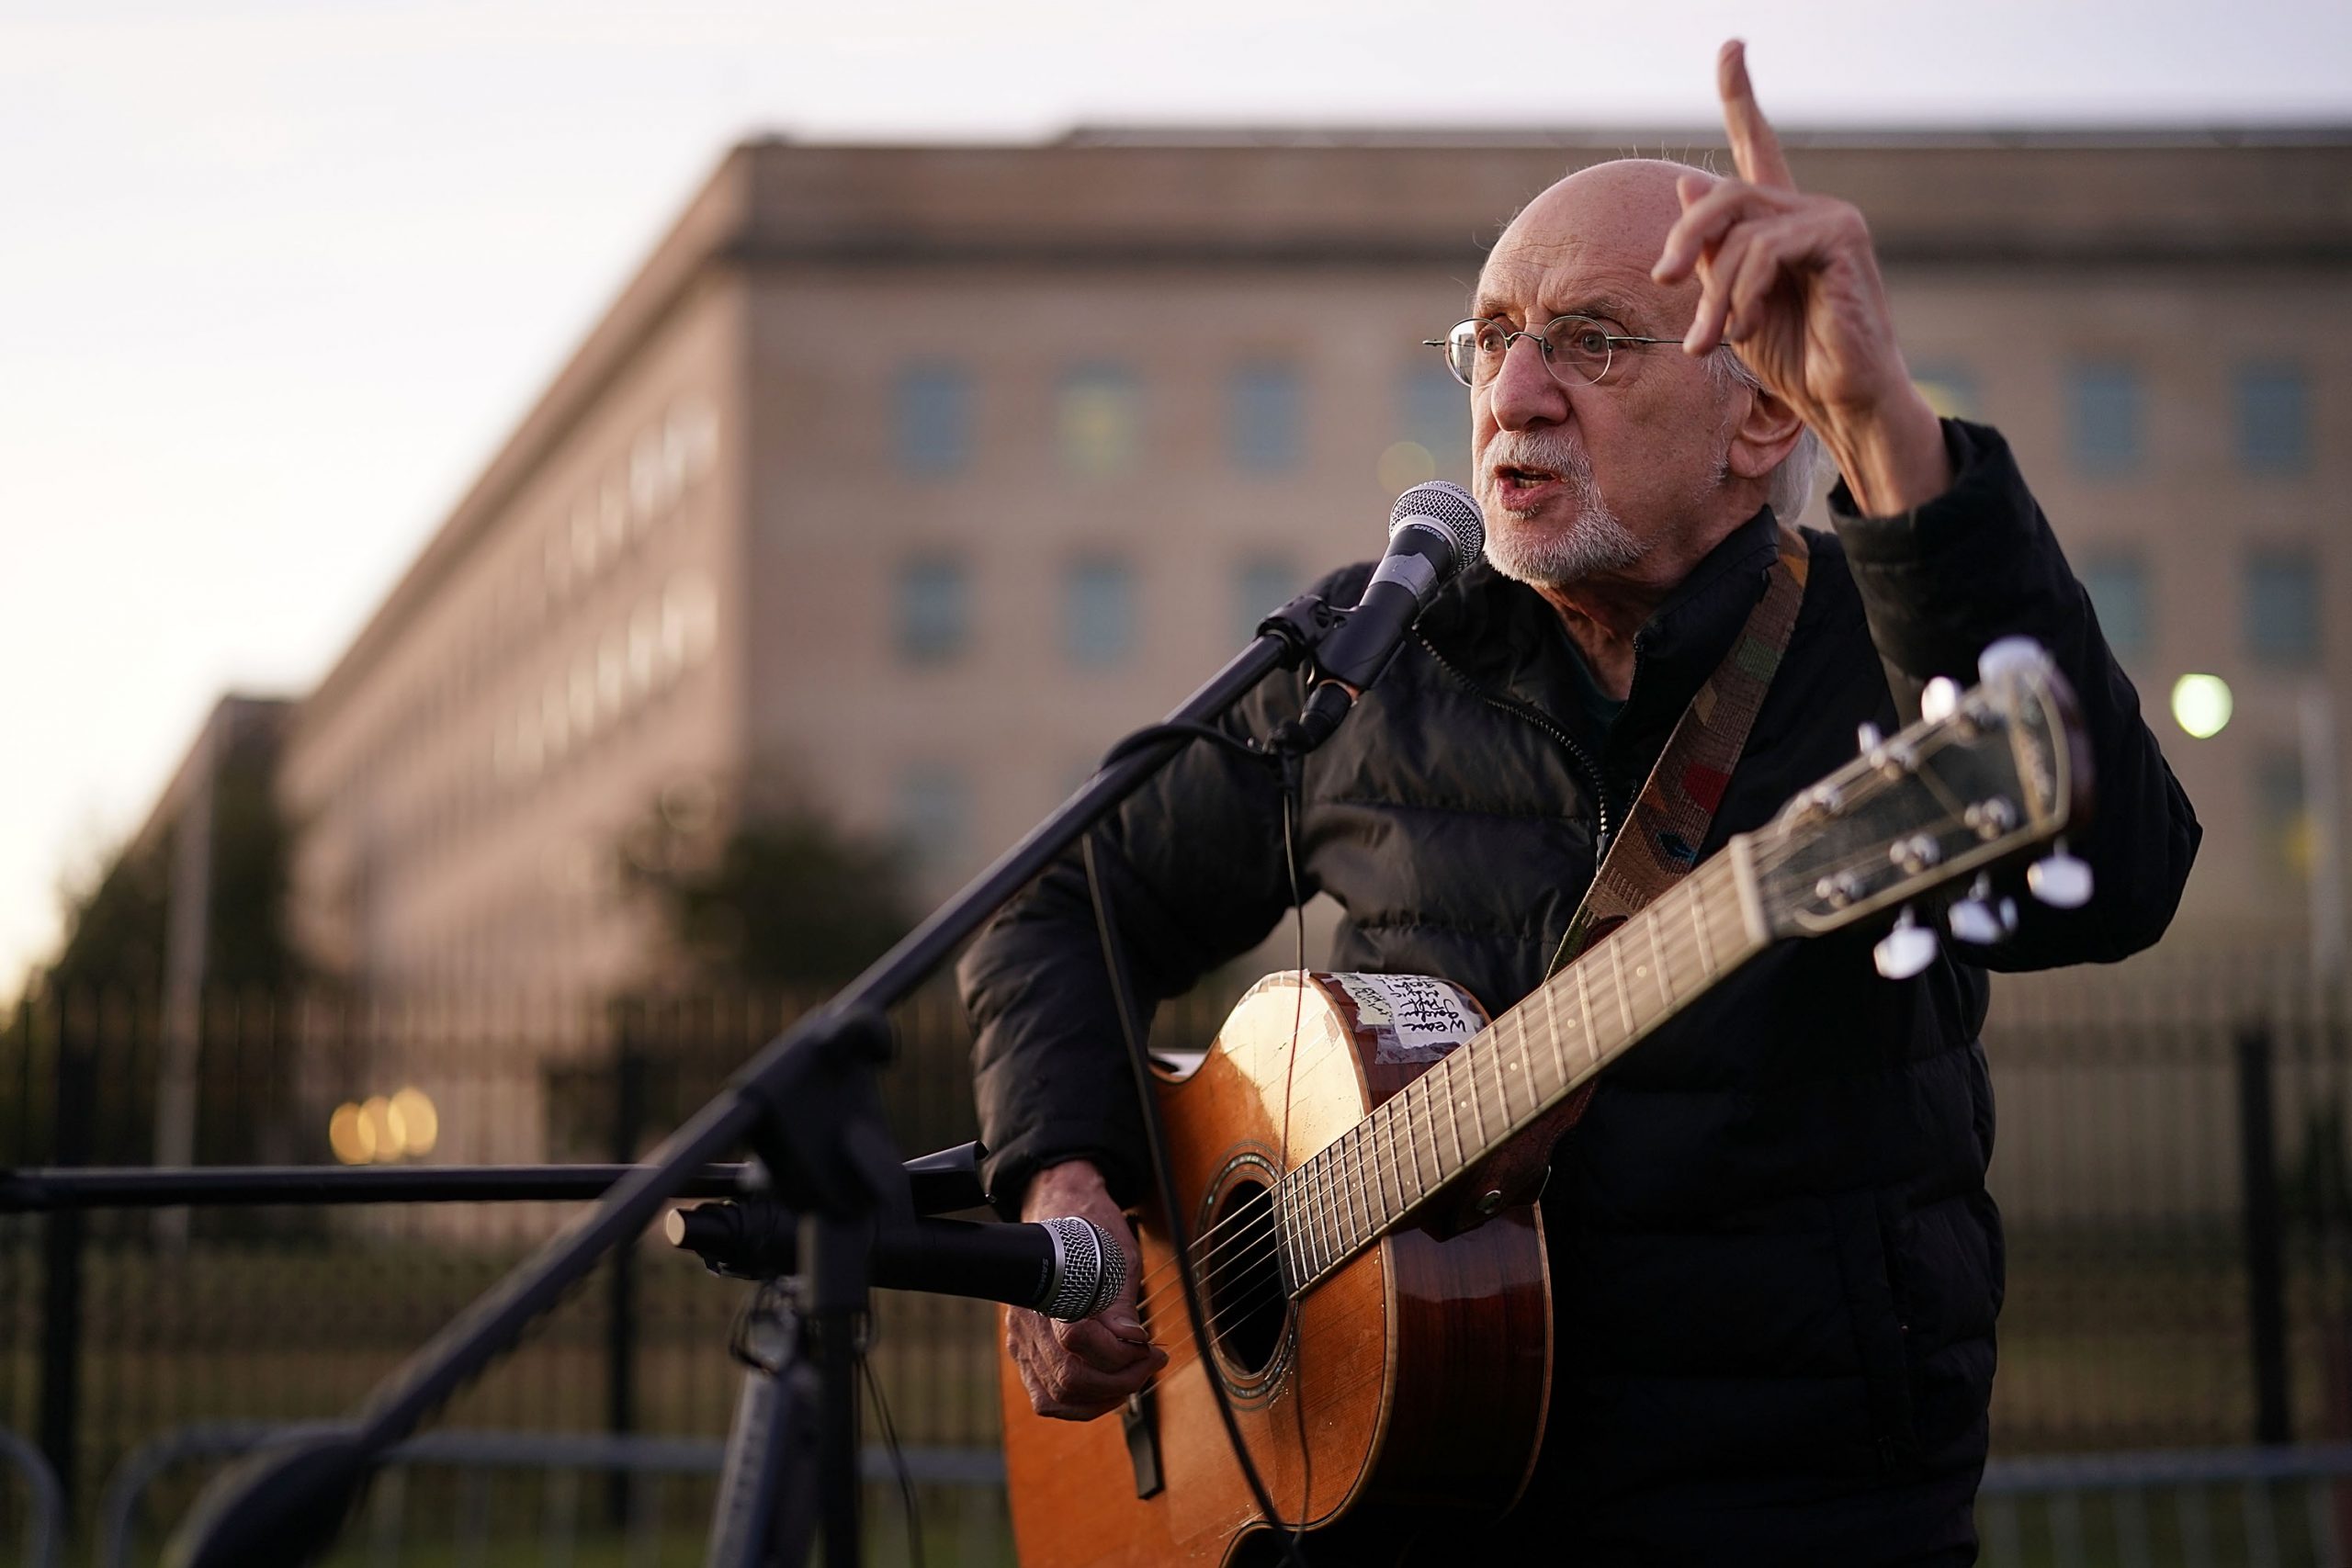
(1991, 772)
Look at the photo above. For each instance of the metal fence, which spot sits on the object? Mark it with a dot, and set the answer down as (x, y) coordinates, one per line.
(2172, 1162)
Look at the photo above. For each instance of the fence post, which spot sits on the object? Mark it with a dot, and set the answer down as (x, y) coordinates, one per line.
(621, 1316)
(60, 1306)
(2266, 1249)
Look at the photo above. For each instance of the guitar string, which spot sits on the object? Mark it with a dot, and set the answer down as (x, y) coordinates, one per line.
(1360, 1183)
(1364, 1182)
(1360, 1167)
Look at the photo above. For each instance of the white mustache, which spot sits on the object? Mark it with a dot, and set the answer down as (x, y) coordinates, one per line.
(1539, 449)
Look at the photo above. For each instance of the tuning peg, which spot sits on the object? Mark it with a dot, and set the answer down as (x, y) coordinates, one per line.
(1866, 737)
(2059, 880)
(1981, 919)
(1938, 699)
(1904, 951)
(2008, 654)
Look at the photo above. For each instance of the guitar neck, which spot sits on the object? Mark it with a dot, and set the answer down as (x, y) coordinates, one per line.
(1373, 1179)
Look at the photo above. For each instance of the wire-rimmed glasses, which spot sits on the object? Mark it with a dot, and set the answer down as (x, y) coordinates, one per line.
(1577, 350)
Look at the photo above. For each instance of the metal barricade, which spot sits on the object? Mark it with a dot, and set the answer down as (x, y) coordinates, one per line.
(45, 1501)
(2277, 1507)
(561, 1456)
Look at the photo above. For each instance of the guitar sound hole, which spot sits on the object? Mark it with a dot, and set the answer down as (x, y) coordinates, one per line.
(1244, 1285)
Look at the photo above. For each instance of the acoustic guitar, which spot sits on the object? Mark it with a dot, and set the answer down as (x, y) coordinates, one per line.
(1389, 1367)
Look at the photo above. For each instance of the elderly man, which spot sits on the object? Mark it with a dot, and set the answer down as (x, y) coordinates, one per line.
(1775, 1265)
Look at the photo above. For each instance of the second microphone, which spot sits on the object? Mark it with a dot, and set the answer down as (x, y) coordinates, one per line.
(1066, 1268)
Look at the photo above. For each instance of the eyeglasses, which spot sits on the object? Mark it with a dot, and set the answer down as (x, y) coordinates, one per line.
(1576, 349)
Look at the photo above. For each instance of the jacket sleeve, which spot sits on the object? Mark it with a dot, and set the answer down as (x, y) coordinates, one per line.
(1979, 563)
(1194, 864)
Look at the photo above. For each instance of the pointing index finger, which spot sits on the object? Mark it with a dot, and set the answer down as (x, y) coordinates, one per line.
(1754, 148)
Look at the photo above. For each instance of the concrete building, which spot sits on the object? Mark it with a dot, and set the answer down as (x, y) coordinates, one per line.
(899, 481)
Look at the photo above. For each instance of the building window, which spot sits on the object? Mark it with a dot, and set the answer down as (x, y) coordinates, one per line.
(1949, 387)
(933, 610)
(935, 817)
(2118, 588)
(2282, 819)
(1260, 588)
(1261, 417)
(2103, 417)
(2282, 608)
(1098, 419)
(2274, 419)
(1098, 614)
(1437, 418)
(932, 415)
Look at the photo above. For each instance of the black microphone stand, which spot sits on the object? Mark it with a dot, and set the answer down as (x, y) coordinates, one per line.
(809, 1108)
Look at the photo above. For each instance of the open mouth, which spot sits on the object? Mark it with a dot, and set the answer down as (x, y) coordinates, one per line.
(1515, 482)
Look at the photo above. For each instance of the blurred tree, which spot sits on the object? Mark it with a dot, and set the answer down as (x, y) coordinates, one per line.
(115, 928)
(785, 898)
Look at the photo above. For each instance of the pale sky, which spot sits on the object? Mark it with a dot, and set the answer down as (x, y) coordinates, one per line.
(276, 279)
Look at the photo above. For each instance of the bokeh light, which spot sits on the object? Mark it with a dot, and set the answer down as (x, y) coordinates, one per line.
(349, 1135)
(384, 1127)
(2202, 704)
(1405, 465)
(420, 1122)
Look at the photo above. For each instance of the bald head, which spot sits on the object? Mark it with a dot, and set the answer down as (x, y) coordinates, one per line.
(1626, 205)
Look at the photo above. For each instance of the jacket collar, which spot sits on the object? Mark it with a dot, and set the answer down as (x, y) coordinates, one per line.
(1502, 634)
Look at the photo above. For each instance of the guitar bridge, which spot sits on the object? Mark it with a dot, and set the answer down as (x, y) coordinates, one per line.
(1139, 1422)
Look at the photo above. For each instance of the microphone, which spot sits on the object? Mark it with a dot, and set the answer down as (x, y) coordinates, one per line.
(1434, 530)
(1066, 1268)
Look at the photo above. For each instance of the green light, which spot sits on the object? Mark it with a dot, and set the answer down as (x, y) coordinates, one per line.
(2202, 704)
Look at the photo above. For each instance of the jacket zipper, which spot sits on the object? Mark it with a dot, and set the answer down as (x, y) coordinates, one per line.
(1541, 721)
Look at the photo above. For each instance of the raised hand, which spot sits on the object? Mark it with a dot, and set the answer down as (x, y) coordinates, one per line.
(1790, 281)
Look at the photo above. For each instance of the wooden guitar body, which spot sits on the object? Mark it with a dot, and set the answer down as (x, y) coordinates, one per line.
(1405, 1388)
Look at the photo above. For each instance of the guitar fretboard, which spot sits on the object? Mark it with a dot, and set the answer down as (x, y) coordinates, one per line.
(1373, 1177)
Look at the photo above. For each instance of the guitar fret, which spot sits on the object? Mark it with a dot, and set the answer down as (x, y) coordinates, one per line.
(1335, 1212)
(1408, 1168)
(1403, 1120)
(1427, 1094)
(1493, 1074)
(1552, 1018)
(1350, 1200)
(1300, 1271)
(1477, 1117)
(1657, 957)
(1494, 1053)
(1527, 1071)
(1320, 1205)
(1413, 1138)
(1699, 930)
(1391, 1184)
(1617, 972)
(1584, 998)
(1453, 1122)
(1287, 1237)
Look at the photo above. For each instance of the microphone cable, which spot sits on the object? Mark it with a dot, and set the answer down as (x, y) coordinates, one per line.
(1163, 1170)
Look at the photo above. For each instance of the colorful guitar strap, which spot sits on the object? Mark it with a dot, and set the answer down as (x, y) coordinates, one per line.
(1660, 842)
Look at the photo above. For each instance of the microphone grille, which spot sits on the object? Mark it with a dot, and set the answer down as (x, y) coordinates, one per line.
(1094, 1269)
(1449, 508)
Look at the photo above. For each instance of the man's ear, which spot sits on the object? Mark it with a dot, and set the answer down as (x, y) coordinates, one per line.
(1766, 434)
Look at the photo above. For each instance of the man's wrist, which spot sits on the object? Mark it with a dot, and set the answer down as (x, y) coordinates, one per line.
(1892, 456)
(1055, 1188)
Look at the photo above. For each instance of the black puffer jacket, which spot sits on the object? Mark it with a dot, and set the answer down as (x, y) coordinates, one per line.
(1775, 1264)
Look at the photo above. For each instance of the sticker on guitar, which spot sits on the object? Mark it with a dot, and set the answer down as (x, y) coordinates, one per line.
(1412, 1017)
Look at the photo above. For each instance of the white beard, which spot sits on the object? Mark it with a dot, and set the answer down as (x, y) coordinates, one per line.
(1594, 540)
